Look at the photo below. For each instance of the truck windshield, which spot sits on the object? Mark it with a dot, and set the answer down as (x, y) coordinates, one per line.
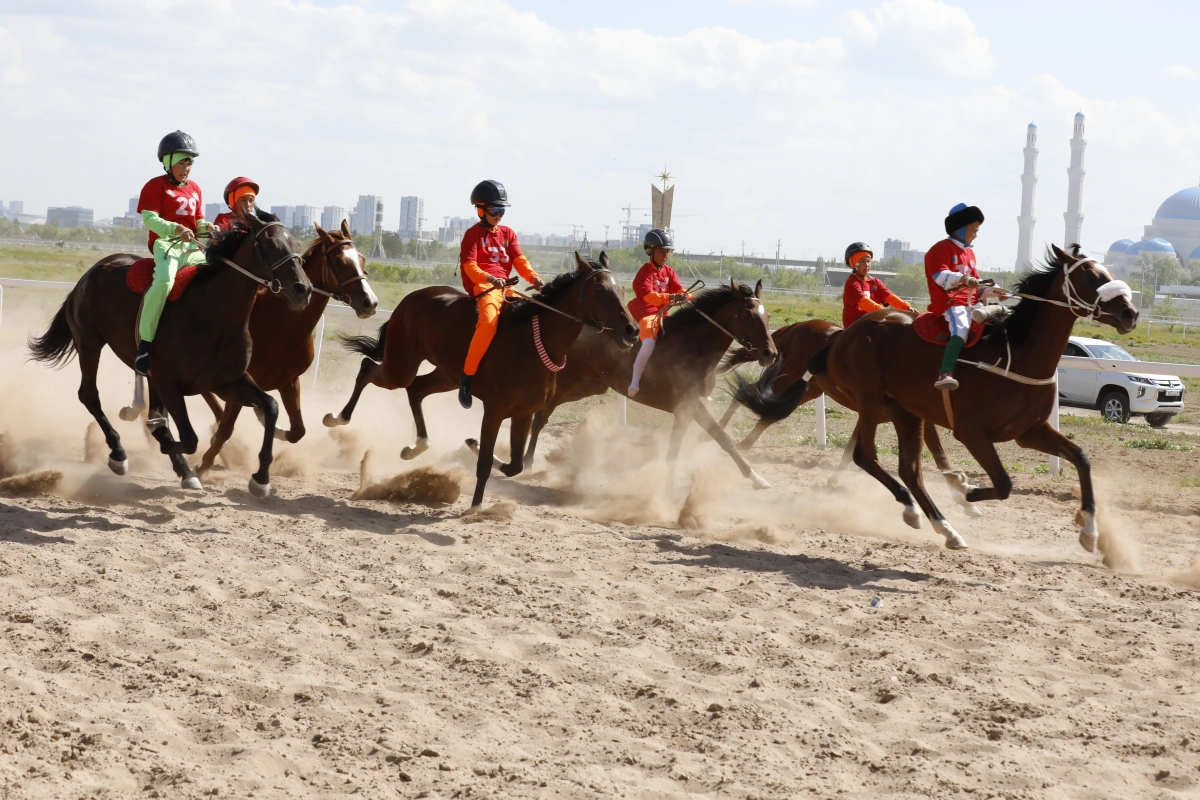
(1110, 351)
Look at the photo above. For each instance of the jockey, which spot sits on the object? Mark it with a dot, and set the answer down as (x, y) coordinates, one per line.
(240, 195)
(863, 294)
(173, 211)
(487, 258)
(654, 286)
(954, 284)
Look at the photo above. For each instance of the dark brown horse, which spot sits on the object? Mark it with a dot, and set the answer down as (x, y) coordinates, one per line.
(283, 344)
(202, 345)
(777, 394)
(435, 324)
(681, 371)
(1007, 382)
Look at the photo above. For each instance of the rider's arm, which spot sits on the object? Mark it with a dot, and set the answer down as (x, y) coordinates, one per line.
(470, 267)
(158, 225)
(641, 289)
(948, 279)
(521, 263)
(897, 303)
(856, 294)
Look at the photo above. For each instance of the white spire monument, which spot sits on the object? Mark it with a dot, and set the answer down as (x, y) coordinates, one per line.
(1027, 220)
(1074, 214)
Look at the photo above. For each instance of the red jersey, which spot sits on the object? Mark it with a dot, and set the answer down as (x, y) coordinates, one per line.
(182, 204)
(949, 255)
(651, 288)
(227, 220)
(857, 288)
(493, 249)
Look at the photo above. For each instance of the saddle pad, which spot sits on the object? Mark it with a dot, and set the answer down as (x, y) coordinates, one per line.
(934, 329)
(141, 275)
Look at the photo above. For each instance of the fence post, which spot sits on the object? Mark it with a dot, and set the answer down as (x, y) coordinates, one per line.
(1054, 465)
(318, 338)
(819, 408)
(622, 409)
(1, 305)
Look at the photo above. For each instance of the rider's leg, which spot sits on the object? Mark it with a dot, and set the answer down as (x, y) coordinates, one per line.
(959, 318)
(647, 337)
(166, 265)
(488, 307)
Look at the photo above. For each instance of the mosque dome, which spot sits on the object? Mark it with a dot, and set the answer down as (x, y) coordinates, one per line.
(1151, 246)
(1181, 205)
(1120, 246)
(1195, 256)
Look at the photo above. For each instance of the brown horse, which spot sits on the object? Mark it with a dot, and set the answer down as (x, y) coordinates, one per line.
(1007, 382)
(681, 370)
(283, 344)
(777, 394)
(517, 375)
(202, 345)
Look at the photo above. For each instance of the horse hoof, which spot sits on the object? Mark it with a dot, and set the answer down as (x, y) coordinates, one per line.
(912, 517)
(1089, 536)
(332, 421)
(953, 540)
(281, 434)
(191, 483)
(129, 413)
(119, 467)
(409, 453)
(260, 490)
(972, 510)
(758, 482)
(473, 444)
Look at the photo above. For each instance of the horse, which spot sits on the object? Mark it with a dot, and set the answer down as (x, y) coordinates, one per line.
(202, 345)
(283, 344)
(519, 372)
(777, 394)
(1007, 383)
(681, 370)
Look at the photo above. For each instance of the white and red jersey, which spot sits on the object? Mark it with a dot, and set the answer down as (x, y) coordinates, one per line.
(181, 204)
(949, 256)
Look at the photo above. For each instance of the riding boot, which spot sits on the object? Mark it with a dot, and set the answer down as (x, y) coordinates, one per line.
(946, 380)
(141, 362)
(639, 366)
(464, 391)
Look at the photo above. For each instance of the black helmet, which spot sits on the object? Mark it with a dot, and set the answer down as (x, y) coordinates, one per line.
(177, 142)
(961, 216)
(657, 237)
(858, 247)
(489, 193)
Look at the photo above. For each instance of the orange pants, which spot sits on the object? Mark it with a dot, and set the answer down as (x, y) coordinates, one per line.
(485, 327)
(648, 327)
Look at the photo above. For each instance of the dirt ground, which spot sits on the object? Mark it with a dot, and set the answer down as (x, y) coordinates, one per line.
(576, 640)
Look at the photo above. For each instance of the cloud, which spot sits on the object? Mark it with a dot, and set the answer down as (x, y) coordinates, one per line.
(10, 59)
(941, 37)
(778, 3)
(1180, 72)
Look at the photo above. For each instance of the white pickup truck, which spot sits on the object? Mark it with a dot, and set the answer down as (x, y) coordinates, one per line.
(1117, 395)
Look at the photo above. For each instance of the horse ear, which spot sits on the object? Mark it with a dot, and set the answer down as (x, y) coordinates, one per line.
(604, 259)
(758, 289)
(1059, 253)
(346, 228)
(581, 263)
(733, 284)
(321, 232)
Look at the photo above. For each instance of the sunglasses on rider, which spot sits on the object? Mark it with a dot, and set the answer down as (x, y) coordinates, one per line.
(495, 211)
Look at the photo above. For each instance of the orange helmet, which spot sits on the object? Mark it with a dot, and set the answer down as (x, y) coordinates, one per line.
(236, 184)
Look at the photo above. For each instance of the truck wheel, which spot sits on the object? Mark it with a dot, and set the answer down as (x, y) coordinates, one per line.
(1114, 406)
(1158, 419)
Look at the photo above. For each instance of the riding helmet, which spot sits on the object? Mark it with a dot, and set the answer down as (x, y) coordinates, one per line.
(657, 237)
(857, 247)
(177, 142)
(235, 184)
(961, 216)
(489, 193)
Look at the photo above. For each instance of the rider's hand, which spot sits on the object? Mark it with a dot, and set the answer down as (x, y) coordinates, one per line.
(185, 234)
(497, 282)
(679, 297)
(970, 282)
(538, 284)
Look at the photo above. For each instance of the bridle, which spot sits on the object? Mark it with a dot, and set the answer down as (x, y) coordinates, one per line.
(592, 323)
(1077, 305)
(745, 343)
(328, 250)
(274, 284)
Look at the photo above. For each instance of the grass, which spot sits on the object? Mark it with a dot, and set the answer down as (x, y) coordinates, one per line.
(1157, 444)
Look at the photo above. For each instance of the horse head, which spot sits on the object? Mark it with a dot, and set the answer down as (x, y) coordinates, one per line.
(751, 323)
(1089, 287)
(342, 272)
(275, 258)
(601, 299)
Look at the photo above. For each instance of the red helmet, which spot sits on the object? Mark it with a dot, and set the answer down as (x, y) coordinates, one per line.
(234, 184)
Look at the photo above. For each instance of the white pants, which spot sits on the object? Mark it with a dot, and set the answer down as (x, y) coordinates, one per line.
(959, 318)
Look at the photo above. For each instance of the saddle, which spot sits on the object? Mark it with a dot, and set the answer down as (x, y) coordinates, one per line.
(141, 275)
(934, 329)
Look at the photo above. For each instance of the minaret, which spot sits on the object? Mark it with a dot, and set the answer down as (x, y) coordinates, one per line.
(1074, 215)
(1027, 220)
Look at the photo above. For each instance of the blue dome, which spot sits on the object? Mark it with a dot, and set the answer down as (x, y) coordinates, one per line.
(1078, 114)
(1120, 246)
(1181, 205)
(1195, 255)
(1153, 246)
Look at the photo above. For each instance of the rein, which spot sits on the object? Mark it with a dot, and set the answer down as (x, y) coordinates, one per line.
(273, 285)
(595, 323)
(663, 313)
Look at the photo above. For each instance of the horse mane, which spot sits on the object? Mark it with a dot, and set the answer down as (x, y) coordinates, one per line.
(1036, 282)
(335, 234)
(710, 301)
(225, 244)
(522, 311)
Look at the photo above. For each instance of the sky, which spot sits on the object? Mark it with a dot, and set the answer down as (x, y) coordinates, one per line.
(806, 123)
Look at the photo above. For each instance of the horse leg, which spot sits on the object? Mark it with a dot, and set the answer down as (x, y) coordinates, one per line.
(245, 392)
(518, 432)
(289, 393)
(369, 372)
(131, 412)
(1046, 439)
(214, 404)
(156, 423)
(957, 480)
(487, 446)
(847, 457)
(421, 387)
(734, 405)
(866, 457)
(89, 395)
(220, 437)
(908, 432)
(722, 438)
(539, 421)
(678, 427)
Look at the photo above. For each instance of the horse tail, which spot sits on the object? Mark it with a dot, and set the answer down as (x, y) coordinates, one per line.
(735, 358)
(372, 348)
(762, 401)
(56, 346)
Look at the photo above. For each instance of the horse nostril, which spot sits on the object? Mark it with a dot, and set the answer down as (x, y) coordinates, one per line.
(630, 330)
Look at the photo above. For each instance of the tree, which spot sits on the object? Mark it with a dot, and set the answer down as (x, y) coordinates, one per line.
(1154, 270)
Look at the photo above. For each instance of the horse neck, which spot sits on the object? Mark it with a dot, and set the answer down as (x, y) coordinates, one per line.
(707, 339)
(559, 332)
(316, 271)
(228, 290)
(1046, 338)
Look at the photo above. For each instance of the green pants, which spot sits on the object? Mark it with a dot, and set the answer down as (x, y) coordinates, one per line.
(169, 258)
